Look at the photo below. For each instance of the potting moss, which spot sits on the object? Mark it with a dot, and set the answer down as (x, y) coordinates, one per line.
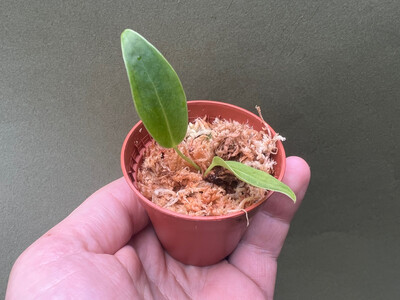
(168, 181)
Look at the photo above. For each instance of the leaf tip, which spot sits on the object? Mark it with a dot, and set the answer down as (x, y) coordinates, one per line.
(289, 192)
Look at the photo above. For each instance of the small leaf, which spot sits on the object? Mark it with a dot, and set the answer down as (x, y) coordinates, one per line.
(253, 176)
(157, 92)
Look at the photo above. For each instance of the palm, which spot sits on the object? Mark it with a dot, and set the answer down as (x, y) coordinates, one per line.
(92, 253)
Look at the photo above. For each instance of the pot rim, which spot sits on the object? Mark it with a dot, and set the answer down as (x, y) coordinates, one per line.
(237, 214)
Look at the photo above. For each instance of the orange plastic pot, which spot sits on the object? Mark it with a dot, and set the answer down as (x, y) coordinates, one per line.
(195, 240)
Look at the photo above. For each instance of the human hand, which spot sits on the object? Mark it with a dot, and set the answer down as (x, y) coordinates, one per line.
(106, 249)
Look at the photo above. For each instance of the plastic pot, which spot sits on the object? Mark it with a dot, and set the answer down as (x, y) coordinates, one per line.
(196, 240)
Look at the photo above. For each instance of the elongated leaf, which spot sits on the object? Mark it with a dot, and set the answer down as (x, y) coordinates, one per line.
(157, 92)
(253, 176)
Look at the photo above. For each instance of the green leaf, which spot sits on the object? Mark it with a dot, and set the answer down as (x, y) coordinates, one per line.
(157, 92)
(253, 176)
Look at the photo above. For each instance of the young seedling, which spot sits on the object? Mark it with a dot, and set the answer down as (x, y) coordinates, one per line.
(160, 102)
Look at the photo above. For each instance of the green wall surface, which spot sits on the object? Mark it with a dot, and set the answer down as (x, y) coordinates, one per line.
(325, 73)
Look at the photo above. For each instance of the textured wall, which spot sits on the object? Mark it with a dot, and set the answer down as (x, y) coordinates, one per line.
(325, 73)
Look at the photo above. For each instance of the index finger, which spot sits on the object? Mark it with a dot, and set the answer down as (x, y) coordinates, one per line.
(105, 221)
(259, 249)
(271, 223)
